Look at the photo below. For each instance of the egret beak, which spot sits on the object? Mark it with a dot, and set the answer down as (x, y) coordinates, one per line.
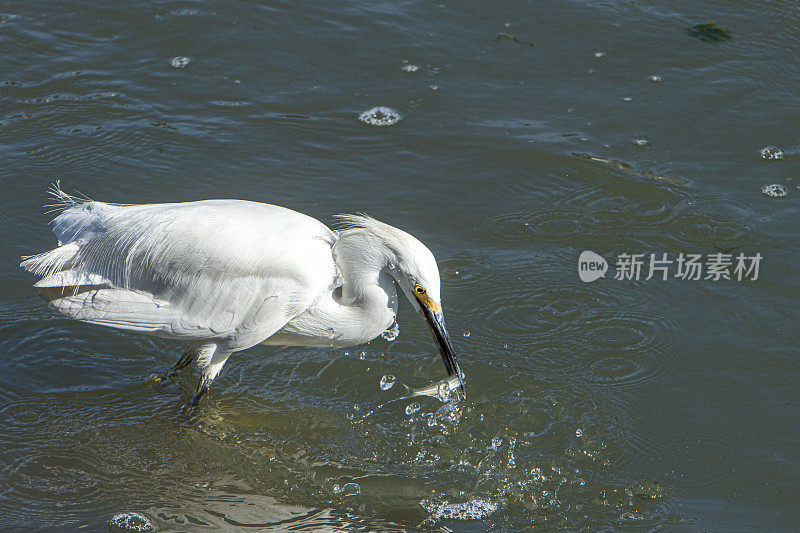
(433, 314)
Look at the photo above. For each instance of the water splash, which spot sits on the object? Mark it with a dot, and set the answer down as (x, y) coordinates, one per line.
(772, 152)
(380, 116)
(387, 382)
(474, 509)
(130, 522)
(392, 332)
(180, 62)
(774, 191)
(512, 462)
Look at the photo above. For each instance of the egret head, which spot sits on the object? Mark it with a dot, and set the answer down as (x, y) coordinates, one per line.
(414, 270)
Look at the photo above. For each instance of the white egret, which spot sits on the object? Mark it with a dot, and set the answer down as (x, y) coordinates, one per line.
(225, 275)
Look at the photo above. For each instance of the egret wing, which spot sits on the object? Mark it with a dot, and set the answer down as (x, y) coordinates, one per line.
(217, 268)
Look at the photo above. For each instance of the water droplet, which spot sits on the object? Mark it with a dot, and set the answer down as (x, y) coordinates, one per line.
(467, 334)
(772, 152)
(599, 55)
(496, 442)
(387, 382)
(180, 61)
(579, 432)
(774, 190)
(351, 489)
(131, 522)
(380, 116)
(412, 408)
(655, 77)
(410, 68)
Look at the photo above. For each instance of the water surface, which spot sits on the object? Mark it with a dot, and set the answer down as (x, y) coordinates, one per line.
(530, 132)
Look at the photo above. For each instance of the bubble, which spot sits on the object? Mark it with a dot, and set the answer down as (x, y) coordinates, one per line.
(599, 55)
(380, 116)
(412, 408)
(467, 334)
(655, 77)
(131, 522)
(337, 489)
(579, 432)
(774, 190)
(387, 382)
(496, 442)
(410, 68)
(772, 152)
(180, 61)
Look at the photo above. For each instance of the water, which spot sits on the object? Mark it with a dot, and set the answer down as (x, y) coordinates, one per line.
(684, 392)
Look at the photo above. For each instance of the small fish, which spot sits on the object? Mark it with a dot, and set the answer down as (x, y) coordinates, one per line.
(438, 388)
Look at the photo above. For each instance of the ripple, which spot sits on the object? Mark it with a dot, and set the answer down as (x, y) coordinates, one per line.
(615, 369)
(632, 350)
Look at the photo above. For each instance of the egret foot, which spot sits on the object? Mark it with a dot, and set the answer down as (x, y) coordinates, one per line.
(202, 387)
(186, 359)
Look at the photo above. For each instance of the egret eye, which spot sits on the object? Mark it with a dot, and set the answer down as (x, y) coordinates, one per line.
(419, 289)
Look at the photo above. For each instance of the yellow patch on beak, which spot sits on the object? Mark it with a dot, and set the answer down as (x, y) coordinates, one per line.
(428, 302)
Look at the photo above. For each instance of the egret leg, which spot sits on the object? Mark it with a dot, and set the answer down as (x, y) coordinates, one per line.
(201, 389)
(211, 360)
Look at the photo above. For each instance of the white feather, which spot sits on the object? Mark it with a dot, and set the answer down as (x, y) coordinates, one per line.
(228, 274)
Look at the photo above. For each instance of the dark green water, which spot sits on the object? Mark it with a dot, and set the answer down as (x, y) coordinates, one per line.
(613, 405)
